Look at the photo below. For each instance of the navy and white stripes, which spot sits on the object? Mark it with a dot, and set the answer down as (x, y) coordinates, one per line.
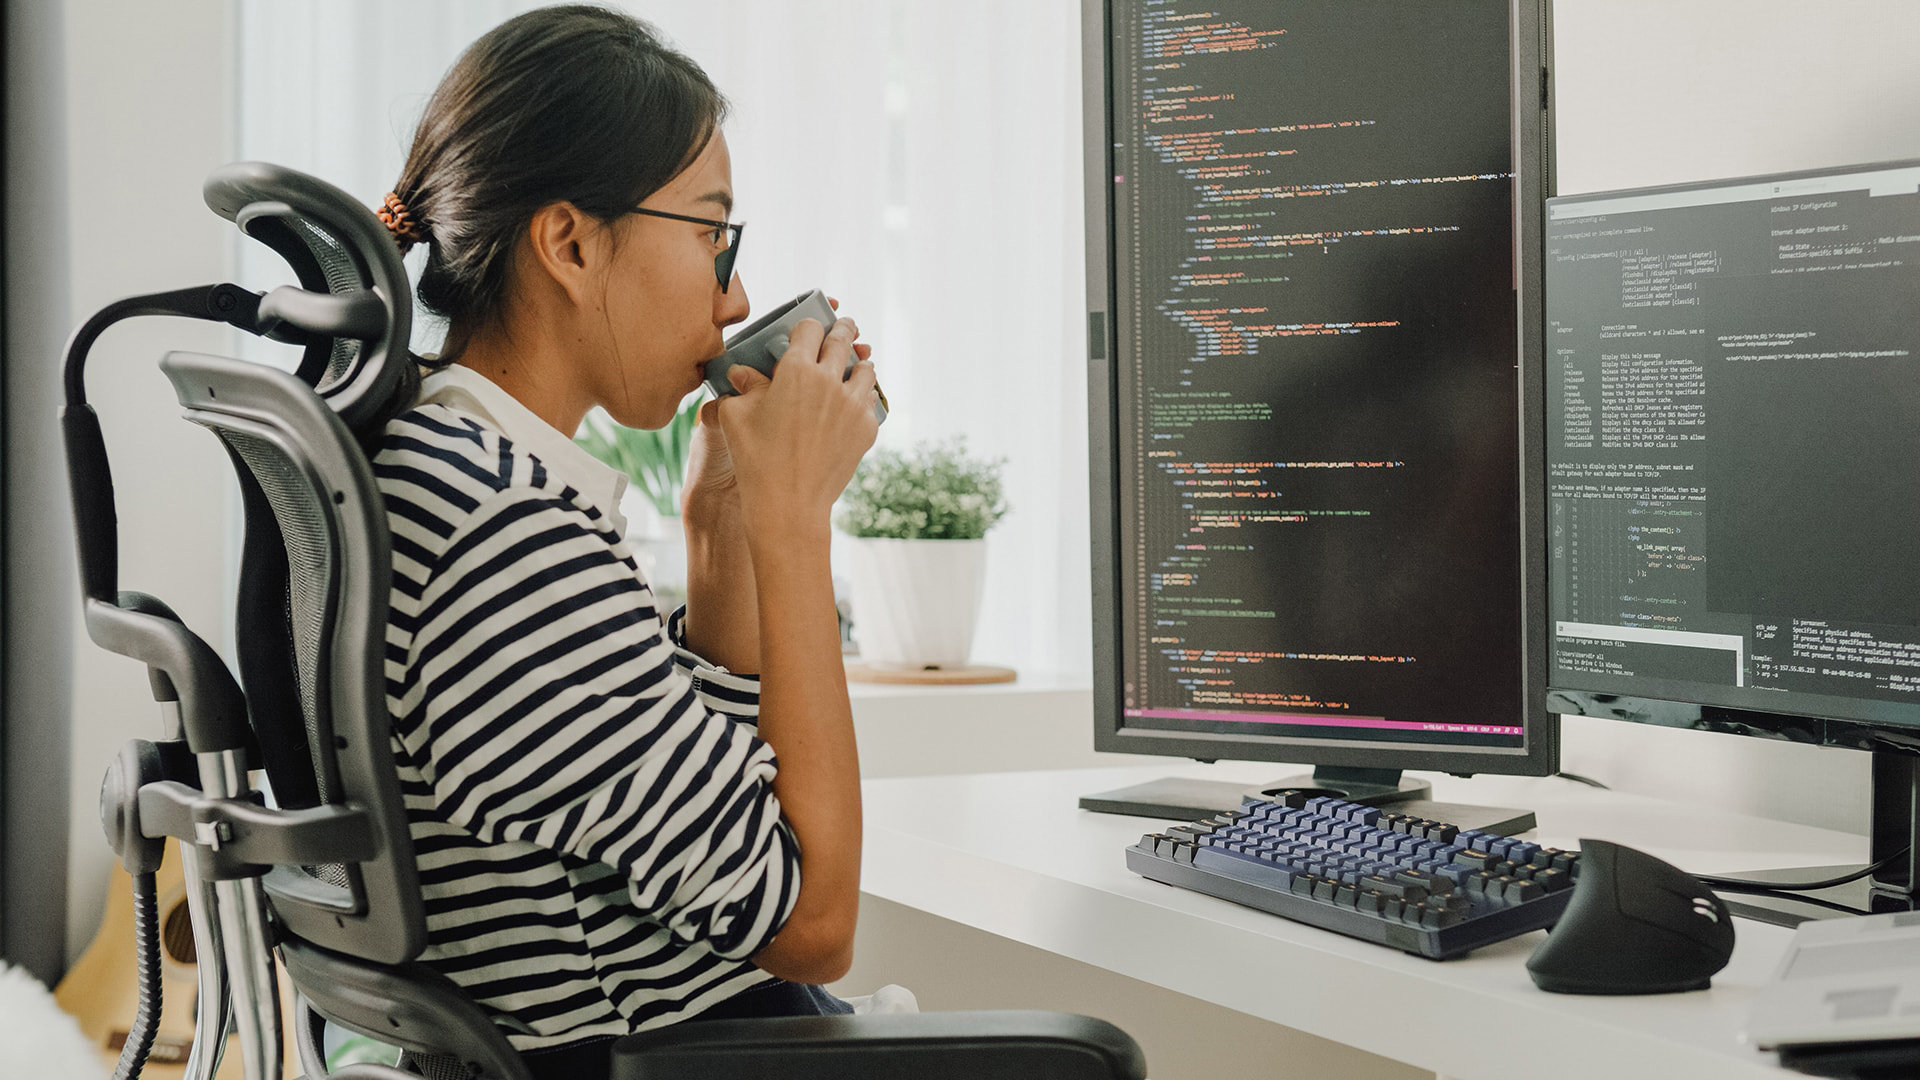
(592, 811)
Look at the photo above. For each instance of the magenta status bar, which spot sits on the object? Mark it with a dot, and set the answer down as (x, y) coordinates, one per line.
(1317, 720)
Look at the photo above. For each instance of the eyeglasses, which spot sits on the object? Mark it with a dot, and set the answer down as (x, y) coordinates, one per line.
(724, 232)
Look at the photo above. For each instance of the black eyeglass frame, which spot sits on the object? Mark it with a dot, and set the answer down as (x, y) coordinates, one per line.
(723, 262)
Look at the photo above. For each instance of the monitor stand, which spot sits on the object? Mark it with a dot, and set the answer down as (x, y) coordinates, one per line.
(1187, 800)
(1896, 828)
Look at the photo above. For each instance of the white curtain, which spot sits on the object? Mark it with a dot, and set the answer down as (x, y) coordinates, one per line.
(920, 161)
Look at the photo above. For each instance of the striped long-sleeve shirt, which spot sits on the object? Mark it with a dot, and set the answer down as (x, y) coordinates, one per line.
(592, 810)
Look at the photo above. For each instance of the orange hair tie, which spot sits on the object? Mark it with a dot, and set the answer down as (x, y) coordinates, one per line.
(400, 222)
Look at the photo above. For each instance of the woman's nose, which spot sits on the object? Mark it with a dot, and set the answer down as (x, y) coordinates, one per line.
(732, 305)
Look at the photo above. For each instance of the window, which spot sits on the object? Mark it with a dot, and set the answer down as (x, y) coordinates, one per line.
(920, 161)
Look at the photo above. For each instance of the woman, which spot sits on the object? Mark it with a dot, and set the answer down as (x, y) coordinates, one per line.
(606, 840)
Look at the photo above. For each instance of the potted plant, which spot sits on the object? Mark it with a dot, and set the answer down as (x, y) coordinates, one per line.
(656, 466)
(916, 523)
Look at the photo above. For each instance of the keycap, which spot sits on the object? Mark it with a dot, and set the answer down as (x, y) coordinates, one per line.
(1479, 860)
(1553, 880)
(1497, 887)
(1398, 890)
(1519, 892)
(1409, 877)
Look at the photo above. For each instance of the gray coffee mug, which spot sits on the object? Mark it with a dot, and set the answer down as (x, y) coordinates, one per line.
(764, 341)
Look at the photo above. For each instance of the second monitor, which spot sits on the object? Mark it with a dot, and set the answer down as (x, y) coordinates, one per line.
(1735, 513)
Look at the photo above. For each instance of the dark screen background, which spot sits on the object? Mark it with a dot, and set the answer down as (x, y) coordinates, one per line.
(1318, 421)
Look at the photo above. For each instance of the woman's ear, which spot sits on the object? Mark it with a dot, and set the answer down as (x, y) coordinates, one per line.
(567, 246)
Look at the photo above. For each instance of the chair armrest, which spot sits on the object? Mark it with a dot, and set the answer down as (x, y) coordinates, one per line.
(917, 1046)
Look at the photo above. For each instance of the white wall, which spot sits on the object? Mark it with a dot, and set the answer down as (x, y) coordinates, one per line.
(1664, 91)
(150, 116)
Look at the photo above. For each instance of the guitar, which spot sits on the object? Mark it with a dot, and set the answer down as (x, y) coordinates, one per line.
(102, 989)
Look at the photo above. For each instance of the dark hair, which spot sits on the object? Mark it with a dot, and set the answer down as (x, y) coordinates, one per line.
(576, 103)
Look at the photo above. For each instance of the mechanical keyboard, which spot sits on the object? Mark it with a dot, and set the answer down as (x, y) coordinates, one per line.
(1426, 887)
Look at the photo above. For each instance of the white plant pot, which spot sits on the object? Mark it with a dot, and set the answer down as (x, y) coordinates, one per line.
(915, 602)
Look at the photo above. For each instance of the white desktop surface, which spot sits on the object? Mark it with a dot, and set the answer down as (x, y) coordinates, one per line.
(1011, 854)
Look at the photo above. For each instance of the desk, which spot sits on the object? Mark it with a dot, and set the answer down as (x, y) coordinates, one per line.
(1010, 856)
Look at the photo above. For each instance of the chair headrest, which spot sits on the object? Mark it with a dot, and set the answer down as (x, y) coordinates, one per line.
(337, 247)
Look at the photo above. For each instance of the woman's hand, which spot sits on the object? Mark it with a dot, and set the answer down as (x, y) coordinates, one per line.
(711, 483)
(791, 443)
(723, 602)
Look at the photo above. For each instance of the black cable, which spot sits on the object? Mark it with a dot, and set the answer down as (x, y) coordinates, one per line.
(1587, 780)
(1795, 898)
(1749, 885)
(146, 945)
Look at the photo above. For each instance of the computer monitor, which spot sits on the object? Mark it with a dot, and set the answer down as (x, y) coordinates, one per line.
(1313, 289)
(1733, 465)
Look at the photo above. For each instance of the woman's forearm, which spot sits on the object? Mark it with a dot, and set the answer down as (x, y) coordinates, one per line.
(723, 603)
(805, 717)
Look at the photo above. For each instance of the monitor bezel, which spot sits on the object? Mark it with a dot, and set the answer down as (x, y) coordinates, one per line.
(1530, 46)
(1815, 726)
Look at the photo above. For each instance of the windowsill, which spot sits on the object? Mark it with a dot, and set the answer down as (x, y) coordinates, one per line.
(1025, 682)
(1041, 720)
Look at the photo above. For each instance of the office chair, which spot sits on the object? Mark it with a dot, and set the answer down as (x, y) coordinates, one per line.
(323, 878)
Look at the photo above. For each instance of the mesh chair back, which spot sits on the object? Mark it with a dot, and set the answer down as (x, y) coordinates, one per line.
(313, 612)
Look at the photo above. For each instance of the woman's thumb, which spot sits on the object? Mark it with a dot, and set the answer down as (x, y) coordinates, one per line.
(744, 378)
